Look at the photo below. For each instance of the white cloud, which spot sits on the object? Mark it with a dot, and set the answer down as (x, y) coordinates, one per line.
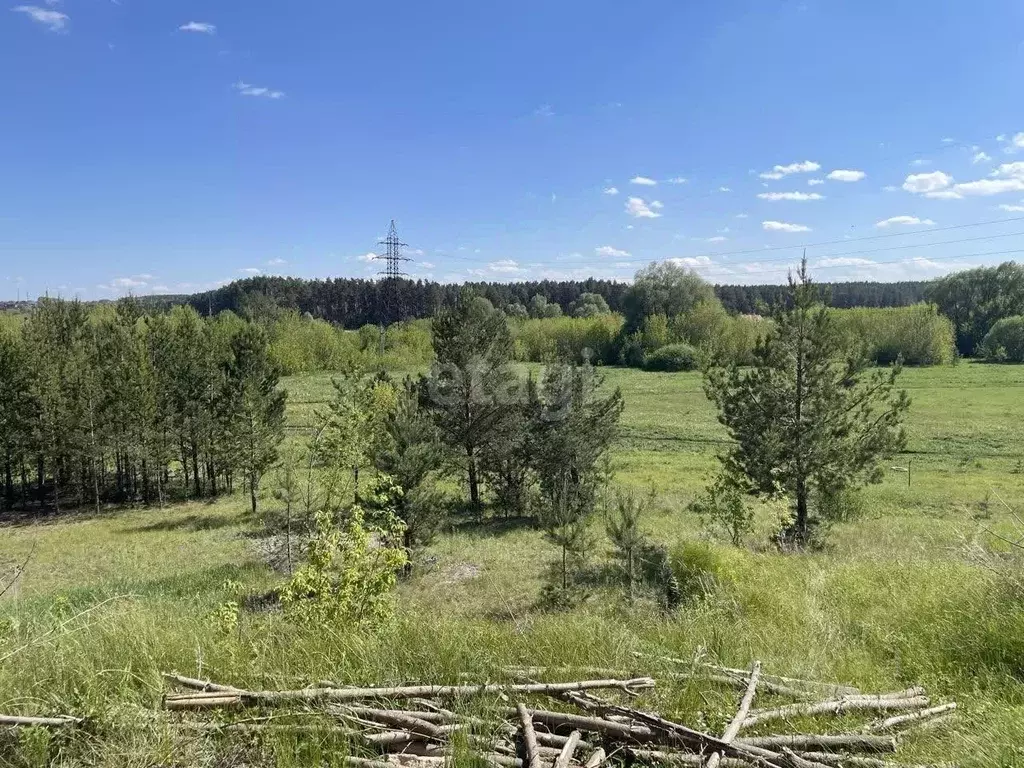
(544, 110)
(948, 141)
(504, 265)
(790, 196)
(203, 27)
(981, 157)
(742, 215)
(677, 180)
(890, 188)
(781, 226)
(717, 239)
(690, 261)
(368, 257)
(724, 189)
(844, 261)
(657, 204)
(55, 21)
(1012, 208)
(643, 181)
(1010, 170)
(611, 190)
(638, 209)
(815, 182)
(615, 253)
(251, 90)
(920, 162)
(276, 262)
(778, 171)
(251, 270)
(904, 220)
(927, 183)
(427, 264)
(128, 282)
(845, 175)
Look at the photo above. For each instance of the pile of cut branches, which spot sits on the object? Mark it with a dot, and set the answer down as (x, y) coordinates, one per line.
(416, 726)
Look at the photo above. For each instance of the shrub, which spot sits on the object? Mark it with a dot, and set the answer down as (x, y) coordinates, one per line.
(1005, 342)
(918, 333)
(554, 339)
(722, 506)
(671, 358)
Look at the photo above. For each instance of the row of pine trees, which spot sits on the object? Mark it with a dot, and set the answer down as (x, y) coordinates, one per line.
(97, 404)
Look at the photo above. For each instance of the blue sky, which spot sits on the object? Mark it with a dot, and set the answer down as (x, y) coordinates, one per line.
(156, 146)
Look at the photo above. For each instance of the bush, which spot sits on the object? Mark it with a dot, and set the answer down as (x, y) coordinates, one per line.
(555, 339)
(672, 358)
(1005, 342)
(919, 334)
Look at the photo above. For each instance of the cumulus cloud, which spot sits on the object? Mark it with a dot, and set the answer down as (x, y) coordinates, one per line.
(690, 261)
(608, 250)
(717, 239)
(643, 181)
(251, 270)
(251, 90)
(782, 226)
(657, 204)
(128, 282)
(677, 180)
(638, 209)
(910, 220)
(815, 182)
(368, 257)
(504, 265)
(1012, 208)
(846, 175)
(778, 171)
(55, 21)
(611, 190)
(276, 262)
(790, 196)
(927, 183)
(980, 157)
(986, 187)
(724, 189)
(203, 27)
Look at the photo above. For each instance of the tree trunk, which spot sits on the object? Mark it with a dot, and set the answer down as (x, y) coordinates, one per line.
(8, 481)
(800, 524)
(474, 482)
(252, 492)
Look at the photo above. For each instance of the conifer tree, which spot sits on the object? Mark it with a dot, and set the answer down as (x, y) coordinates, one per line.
(806, 418)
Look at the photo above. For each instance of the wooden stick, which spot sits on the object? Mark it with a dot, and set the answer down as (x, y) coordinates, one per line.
(15, 721)
(743, 674)
(400, 719)
(566, 755)
(556, 740)
(913, 717)
(596, 759)
(684, 758)
(837, 707)
(529, 737)
(854, 761)
(313, 695)
(804, 742)
(362, 762)
(741, 714)
(199, 685)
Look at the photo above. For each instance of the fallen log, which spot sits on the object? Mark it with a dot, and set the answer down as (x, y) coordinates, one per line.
(402, 720)
(855, 761)
(912, 718)
(315, 695)
(568, 751)
(683, 758)
(836, 707)
(809, 742)
(16, 721)
(741, 714)
(530, 745)
(199, 685)
(596, 759)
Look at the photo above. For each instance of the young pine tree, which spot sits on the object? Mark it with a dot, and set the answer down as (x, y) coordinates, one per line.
(257, 405)
(469, 386)
(806, 418)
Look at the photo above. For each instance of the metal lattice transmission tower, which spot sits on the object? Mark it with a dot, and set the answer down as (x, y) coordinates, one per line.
(391, 286)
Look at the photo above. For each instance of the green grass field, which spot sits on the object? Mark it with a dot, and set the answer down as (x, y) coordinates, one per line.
(914, 591)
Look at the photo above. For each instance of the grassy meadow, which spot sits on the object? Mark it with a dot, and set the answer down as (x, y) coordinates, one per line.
(915, 590)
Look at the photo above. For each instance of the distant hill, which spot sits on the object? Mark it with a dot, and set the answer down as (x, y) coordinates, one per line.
(353, 302)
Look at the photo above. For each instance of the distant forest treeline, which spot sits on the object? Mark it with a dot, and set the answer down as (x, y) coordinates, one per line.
(354, 302)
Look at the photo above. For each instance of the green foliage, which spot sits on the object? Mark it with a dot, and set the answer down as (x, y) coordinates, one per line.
(471, 384)
(722, 507)
(540, 307)
(803, 418)
(567, 339)
(350, 572)
(976, 299)
(672, 358)
(1005, 342)
(624, 528)
(655, 332)
(589, 305)
(917, 335)
(666, 289)
(303, 345)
